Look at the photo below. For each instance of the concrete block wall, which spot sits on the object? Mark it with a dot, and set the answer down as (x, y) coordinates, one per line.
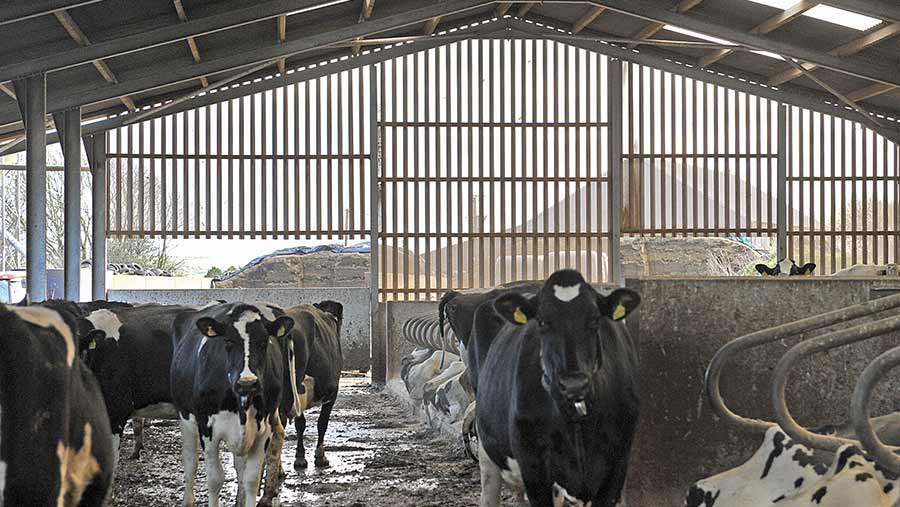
(681, 323)
(355, 330)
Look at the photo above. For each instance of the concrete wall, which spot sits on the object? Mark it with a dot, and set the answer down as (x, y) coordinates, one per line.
(396, 313)
(354, 331)
(679, 326)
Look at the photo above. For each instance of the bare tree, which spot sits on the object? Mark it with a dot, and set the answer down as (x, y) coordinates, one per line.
(144, 251)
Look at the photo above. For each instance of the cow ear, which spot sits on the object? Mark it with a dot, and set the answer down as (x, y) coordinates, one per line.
(281, 326)
(332, 307)
(515, 308)
(91, 340)
(762, 269)
(619, 303)
(209, 327)
(807, 269)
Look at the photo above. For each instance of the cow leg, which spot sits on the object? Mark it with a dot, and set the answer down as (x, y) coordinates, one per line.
(542, 495)
(137, 425)
(253, 465)
(614, 494)
(116, 442)
(273, 464)
(215, 476)
(96, 493)
(240, 465)
(490, 480)
(324, 416)
(189, 440)
(300, 462)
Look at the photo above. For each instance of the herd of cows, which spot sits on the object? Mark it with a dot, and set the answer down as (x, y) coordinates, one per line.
(73, 374)
(544, 392)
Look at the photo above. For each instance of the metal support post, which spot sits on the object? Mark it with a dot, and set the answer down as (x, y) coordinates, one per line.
(781, 195)
(96, 150)
(379, 350)
(32, 96)
(68, 124)
(614, 110)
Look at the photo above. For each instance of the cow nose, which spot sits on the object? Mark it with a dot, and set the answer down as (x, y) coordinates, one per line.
(574, 387)
(245, 385)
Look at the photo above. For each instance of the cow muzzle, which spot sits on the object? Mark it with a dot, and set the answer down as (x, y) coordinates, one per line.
(574, 387)
(246, 389)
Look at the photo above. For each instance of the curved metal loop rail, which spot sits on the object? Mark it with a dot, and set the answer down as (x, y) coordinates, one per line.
(423, 331)
(762, 337)
(805, 349)
(859, 409)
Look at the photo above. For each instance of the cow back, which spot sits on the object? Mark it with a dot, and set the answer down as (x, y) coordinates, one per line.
(55, 439)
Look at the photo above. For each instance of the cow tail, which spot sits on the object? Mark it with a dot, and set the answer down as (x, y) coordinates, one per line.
(292, 372)
(442, 305)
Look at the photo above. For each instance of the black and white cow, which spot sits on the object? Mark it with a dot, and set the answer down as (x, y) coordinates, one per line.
(458, 309)
(557, 403)
(867, 270)
(319, 361)
(55, 442)
(313, 350)
(786, 267)
(227, 378)
(447, 398)
(133, 362)
(784, 473)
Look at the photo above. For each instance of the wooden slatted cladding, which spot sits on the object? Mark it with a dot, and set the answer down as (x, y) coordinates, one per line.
(701, 159)
(494, 166)
(844, 193)
(292, 162)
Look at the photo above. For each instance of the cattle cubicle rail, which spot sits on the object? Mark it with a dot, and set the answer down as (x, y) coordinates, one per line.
(817, 344)
(424, 331)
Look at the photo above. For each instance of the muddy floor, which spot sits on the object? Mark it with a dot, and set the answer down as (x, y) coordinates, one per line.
(381, 456)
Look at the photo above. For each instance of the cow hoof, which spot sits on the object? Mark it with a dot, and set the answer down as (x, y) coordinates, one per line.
(300, 464)
(322, 462)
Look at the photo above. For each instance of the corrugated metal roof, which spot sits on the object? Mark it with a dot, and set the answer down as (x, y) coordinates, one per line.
(110, 20)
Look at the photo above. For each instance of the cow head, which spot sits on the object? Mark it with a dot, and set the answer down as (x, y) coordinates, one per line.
(573, 321)
(245, 334)
(333, 308)
(786, 267)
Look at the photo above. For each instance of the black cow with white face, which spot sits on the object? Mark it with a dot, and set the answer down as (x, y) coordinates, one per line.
(55, 441)
(557, 402)
(786, 267)
(227, 378)
(315, 347)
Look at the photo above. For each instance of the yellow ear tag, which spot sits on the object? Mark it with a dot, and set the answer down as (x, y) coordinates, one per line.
(519, 316)
(93, 344)
(280, 332)
(211, 332)
(619, 313)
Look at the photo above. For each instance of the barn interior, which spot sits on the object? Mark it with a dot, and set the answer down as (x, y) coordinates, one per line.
(664, 146)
